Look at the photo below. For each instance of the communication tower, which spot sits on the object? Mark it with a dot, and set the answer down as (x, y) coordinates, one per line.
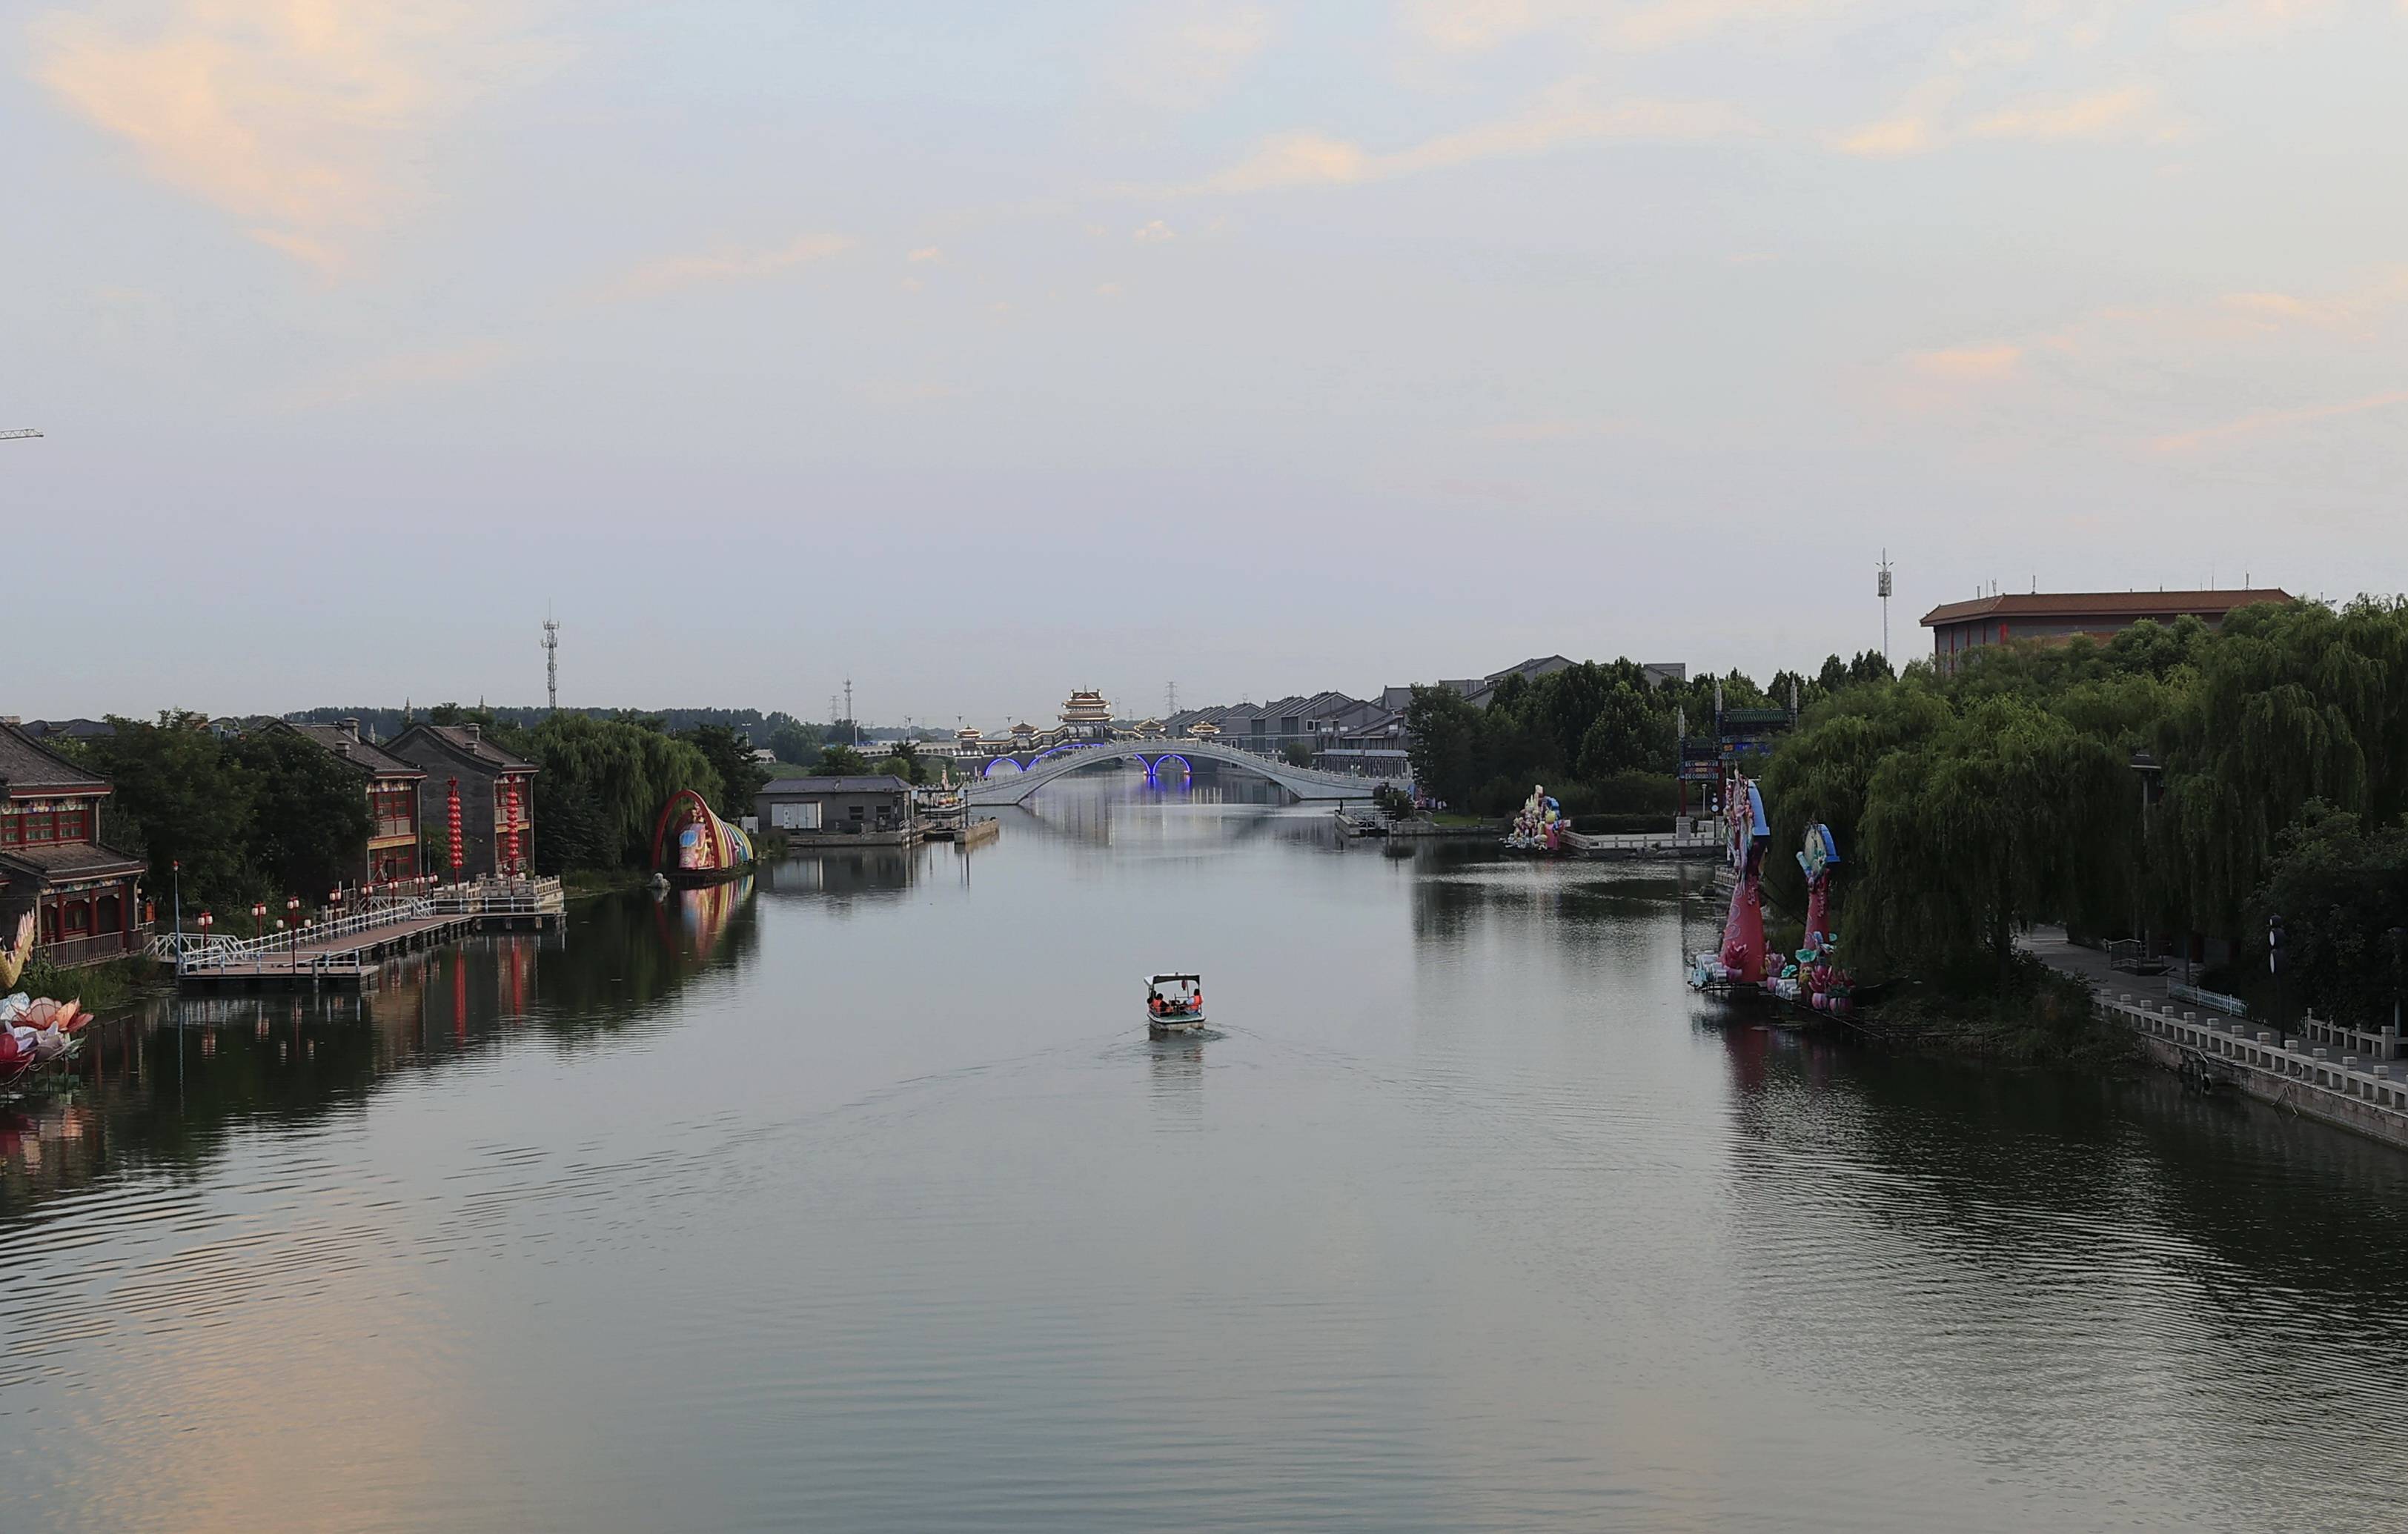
(1881, 584)
(551, 662)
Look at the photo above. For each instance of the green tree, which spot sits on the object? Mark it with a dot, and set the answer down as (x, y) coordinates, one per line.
(795, 742)
(730, 756)
(601, 785)
(841, 762)
(178, 798)
(2341, 891)
(1625, 733)
(309, 819)
(1444, 737)
(2004, 816)
(1296, 753)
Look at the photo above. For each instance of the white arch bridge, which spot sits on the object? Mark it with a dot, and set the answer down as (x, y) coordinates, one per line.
(1007, 787)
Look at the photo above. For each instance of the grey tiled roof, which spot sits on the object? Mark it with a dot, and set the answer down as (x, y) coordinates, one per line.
(876, 783)
(453, 740)
(369, 758)
(30, 767)
(60, 860)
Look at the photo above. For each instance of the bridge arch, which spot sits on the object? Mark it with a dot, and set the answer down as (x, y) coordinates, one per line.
(1304, 782)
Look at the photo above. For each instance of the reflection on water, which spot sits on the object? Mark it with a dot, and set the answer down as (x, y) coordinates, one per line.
(865, 1201)
(168, 1083)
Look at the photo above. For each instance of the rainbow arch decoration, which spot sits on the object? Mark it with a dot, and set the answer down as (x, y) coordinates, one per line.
(691, 845)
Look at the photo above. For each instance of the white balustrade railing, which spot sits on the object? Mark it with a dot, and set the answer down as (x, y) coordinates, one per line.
(216, 951)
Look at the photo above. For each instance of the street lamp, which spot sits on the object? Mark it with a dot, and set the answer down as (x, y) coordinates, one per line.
(2399, 935)
(259, 918)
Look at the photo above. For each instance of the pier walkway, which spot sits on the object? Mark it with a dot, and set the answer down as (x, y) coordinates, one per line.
(346, 953)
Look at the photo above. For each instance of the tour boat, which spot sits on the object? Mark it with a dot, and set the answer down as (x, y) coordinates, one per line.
(1179, 1012)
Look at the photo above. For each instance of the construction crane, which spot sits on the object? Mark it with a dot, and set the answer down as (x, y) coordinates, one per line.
(21, 431)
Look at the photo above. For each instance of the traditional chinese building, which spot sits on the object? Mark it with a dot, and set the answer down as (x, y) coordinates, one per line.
(1087, 716)
(495, 790)
(85, 895)
(393, 787)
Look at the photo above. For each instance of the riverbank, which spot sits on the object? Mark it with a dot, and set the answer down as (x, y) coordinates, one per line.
(2346, 1082)
(585, 884)
(98, 986)
(2039, 1017)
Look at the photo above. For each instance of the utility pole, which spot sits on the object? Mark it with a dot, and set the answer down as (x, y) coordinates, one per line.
(1881, 585)
(552, 663)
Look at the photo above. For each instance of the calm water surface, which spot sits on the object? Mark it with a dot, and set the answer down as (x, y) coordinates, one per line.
(859, 1198)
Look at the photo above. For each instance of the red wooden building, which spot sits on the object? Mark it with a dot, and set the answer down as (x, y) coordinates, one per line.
(393, 788)
(86, 896)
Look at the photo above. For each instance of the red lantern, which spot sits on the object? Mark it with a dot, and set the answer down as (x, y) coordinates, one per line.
(511, 824)
(454, 786)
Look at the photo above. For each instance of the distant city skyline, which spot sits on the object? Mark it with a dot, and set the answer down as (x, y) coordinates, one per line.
(979, 354)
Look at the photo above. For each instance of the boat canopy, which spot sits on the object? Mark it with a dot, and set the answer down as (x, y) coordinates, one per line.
(1167, 979)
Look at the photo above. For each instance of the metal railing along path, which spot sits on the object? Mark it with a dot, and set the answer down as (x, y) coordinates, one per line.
(218, 951)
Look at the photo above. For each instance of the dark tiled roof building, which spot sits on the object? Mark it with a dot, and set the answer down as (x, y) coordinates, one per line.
(85, 895)
(496, 795)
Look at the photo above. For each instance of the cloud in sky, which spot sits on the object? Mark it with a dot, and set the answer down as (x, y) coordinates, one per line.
(1477, 27)
(416, 368)
(1969, 364)
(2127, 111)
(2239, 23)
(731, 263)
(2260, 421)
(1548, 429)
(1561, 116)
(296, 117)
(1180, 56)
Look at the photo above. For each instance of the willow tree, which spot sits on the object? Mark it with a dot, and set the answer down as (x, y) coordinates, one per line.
(601, 787)
(2006, 816)
(1824, 772)
(2285, 706)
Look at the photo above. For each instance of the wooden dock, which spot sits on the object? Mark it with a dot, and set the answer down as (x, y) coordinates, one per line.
(346, 955)
(342, 962)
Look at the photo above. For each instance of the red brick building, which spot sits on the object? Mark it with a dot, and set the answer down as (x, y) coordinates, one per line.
(86, 896)
(1959, 628)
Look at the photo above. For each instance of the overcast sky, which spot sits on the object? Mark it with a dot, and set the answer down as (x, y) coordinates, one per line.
(983, 352)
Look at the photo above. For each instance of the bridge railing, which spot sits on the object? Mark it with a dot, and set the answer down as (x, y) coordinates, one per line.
(1063, 760)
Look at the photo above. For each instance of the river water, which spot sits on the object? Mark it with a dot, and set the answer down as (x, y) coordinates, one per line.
(856, 1197)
